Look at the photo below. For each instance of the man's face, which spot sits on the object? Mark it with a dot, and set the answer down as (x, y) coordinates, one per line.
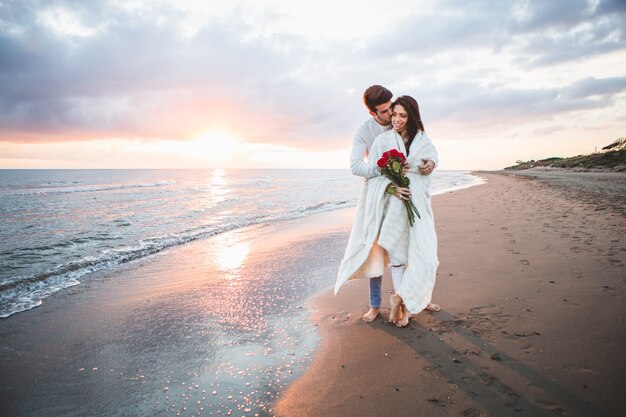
(383, 113)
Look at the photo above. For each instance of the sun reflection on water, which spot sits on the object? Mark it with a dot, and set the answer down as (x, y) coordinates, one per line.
(218, 185)
(233, 256)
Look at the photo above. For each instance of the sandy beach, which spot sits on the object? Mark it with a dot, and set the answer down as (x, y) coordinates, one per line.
(531, 285)
(532, 290)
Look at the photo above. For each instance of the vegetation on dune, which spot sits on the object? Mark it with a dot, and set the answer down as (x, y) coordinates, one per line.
(613, 158)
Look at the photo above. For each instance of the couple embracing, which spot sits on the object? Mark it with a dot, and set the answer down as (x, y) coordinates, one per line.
(382, 233)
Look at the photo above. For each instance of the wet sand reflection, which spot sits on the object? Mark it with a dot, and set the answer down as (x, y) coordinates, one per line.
(212, 328)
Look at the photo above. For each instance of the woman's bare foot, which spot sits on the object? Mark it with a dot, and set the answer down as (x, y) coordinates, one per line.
(406, 315)
(371, 315)
(433, 307)
(395, 301)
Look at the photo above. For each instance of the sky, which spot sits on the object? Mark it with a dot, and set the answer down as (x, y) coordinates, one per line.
(279, 84)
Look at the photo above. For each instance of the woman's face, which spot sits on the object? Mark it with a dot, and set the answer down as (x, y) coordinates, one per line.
(399, 118)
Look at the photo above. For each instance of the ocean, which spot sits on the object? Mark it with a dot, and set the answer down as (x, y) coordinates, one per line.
(60, 226)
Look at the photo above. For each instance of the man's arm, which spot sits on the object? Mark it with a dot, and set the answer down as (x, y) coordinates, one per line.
(431, 162)
(357, 164)
(435, 157)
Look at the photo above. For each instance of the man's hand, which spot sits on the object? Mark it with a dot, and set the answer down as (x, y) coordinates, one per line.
(427, 167)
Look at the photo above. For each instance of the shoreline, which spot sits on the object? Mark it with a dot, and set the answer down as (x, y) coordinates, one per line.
(531, 289)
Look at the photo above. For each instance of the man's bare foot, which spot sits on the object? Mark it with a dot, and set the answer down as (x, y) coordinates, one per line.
(406, 315)
(433, 307)
(371, 315)
(395, 301)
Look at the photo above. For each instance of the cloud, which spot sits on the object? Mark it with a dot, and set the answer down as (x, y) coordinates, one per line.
(159, 70)
(128, 75)
(540, 32)
(610, 7)
(591, 86)
(489, 64)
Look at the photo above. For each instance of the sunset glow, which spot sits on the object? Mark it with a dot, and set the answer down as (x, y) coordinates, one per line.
(190, 84)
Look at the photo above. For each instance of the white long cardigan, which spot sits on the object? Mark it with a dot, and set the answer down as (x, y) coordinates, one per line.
(382, 224)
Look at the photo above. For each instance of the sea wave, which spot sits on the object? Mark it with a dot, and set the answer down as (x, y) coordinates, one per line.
(91, 188)
(461, 184)
(24, 293)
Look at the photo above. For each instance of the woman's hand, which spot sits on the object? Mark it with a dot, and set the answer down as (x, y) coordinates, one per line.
(405, 169)
(403, 193)
(427, 167)
(400, 192)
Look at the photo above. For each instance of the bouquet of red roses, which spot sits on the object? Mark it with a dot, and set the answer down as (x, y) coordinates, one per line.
(390, 165)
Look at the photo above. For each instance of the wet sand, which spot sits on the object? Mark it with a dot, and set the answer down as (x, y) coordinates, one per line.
(213, 327)
(533, 321)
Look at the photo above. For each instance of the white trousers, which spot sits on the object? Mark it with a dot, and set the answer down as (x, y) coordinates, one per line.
(396, 269)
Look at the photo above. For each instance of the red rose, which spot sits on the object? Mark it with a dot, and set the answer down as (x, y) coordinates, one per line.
(382, 161)
(394, 153)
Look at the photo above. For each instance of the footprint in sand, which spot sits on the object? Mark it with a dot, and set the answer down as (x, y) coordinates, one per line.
(579, 369)
(510, 397)
(579, 273)
(470, 412)
(525, 261)
(570, 302)
(518, 335)
(554, 408)
(482, 320)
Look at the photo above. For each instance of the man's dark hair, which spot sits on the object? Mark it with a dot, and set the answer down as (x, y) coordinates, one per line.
(376, 95)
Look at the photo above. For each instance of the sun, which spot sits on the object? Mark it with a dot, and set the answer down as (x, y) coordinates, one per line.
(217, 148)
(216, 140)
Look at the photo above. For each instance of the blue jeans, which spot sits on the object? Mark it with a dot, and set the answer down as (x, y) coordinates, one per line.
(375, 285)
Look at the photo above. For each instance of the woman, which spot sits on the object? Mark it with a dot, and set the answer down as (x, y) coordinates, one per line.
(381, 229)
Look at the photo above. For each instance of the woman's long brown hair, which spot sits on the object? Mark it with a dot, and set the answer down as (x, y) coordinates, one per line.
(414, 123)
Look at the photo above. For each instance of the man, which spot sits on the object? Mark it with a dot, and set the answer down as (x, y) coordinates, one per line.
(377, 99)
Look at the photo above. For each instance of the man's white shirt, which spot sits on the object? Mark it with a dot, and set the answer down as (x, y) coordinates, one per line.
(361, 144)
